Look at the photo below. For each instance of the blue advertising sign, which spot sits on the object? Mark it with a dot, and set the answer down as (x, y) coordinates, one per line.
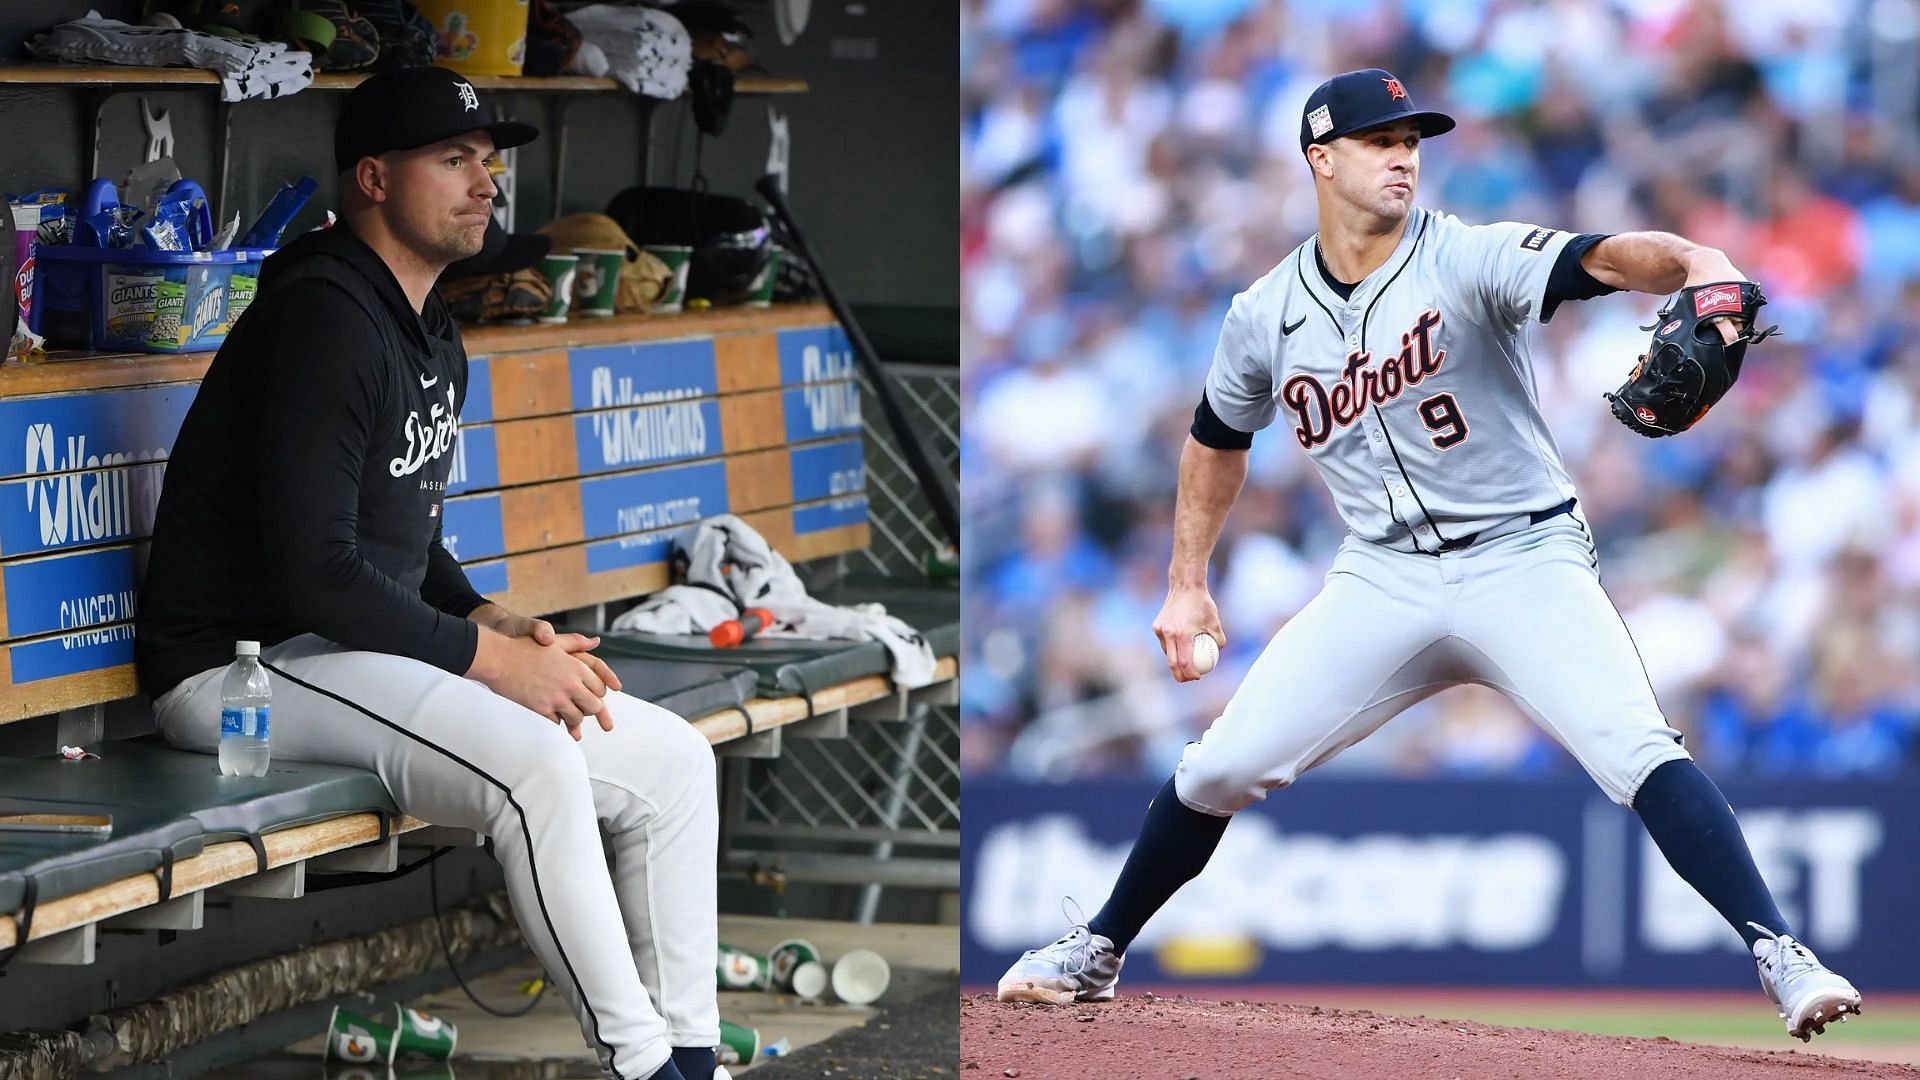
(61, 510)
(829, 515)
(827, 471)
(643, 373)
(651, 500)
(814, 354)
(626, 438)
(476, 461)
(639, 549)
(91, 429)
(70, 654)
(821, 409)
(487, 578)
(473, 528)
(478, 408)
(66, 592)
(1463, 882)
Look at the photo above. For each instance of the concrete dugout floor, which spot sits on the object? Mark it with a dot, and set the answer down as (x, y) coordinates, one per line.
(911, 1032)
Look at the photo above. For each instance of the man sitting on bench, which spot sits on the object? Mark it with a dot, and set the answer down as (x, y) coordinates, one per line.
(302, 509)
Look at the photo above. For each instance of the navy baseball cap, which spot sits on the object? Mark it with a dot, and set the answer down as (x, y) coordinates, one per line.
(1362, 99)
(407, 108)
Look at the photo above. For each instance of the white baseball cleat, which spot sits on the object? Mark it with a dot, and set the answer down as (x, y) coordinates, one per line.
(1808, 995)
(1079, 967)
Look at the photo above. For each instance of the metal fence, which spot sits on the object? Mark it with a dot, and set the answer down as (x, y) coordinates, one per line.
(872, 796)
(904, 529)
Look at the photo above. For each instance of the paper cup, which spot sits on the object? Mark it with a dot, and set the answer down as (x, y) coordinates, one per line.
(784, 958)
(356, 1040)
(597, 282)
(426, 1036)
(738, 969)
(760, 294)
(861, 977)
(559, 270)
(738, 1045)
(677, 257)
(810, 979)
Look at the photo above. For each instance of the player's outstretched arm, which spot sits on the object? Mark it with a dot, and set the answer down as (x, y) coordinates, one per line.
(1659, 262)
(1210, 481)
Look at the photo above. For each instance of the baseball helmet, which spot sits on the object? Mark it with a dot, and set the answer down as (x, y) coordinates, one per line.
(729, 236)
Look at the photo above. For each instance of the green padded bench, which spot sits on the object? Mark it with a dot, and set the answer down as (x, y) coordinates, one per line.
(38, 867)
(776, 667)
(149, 774)
(690, 690)
(788, 666)
(801, 667)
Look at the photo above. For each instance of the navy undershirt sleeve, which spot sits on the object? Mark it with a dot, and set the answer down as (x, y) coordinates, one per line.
(1570, 280)
(446, 586)
(1209, 430)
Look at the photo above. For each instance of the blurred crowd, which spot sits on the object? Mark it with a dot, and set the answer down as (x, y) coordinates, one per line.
(1128, 165)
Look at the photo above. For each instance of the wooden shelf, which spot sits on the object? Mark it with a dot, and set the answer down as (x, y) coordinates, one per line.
(497, 338)
(111, 76)
(67, 370)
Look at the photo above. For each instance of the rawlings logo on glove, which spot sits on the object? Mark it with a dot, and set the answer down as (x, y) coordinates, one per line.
(1689, 367)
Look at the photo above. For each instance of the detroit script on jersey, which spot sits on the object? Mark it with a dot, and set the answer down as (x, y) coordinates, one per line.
(1319, 410)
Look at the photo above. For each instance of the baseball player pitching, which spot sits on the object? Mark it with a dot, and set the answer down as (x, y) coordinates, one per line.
(302, 509)
(1393, 346)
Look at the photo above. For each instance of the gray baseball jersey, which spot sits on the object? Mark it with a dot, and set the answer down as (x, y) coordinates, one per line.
(1466, 561)
(1416, 397)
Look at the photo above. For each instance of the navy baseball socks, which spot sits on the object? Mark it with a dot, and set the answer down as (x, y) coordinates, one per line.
(1693, 826)
(1683, 811)
(1173, 847)
(695, 1062)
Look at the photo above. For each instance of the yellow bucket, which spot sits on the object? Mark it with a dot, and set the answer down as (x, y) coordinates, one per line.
(479, 37)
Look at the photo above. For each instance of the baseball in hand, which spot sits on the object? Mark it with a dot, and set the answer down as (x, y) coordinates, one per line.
(1206, 652)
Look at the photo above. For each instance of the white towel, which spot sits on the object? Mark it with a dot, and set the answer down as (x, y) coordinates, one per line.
(731, 567)
(646, 51)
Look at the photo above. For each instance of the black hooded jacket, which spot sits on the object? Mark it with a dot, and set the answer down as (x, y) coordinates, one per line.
(304, 492)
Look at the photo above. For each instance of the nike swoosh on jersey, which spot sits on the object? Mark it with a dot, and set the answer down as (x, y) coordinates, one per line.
(1286, 329)
(427, 381)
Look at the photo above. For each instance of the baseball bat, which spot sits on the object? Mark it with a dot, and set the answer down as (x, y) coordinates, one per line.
(936, 483)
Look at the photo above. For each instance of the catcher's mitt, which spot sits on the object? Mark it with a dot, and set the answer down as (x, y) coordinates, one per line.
(1688, 368)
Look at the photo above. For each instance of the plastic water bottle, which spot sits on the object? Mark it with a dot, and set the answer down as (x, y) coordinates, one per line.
(245, 703)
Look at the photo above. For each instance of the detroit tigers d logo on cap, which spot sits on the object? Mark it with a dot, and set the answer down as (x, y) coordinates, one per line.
(408, 108)
(1356, 100)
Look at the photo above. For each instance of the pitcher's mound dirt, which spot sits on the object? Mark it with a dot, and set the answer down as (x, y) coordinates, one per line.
(1156, 1038)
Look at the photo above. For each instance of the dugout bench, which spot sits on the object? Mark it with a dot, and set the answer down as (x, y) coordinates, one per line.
(583, 448)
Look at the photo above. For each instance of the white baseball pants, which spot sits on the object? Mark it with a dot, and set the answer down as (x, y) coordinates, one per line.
(1522, 612)
(454, 753)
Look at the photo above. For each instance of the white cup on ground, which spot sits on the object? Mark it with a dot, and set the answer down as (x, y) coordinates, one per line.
(860, 977)
(810, 979)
